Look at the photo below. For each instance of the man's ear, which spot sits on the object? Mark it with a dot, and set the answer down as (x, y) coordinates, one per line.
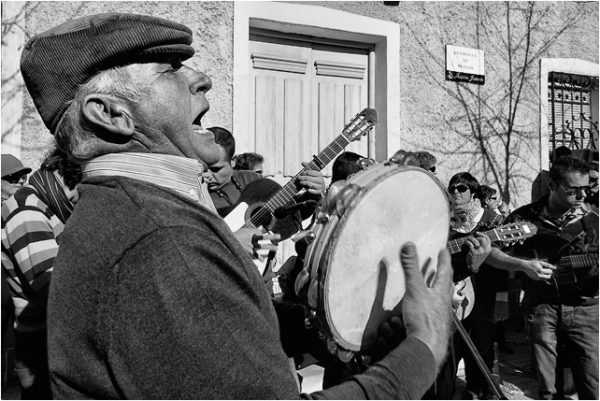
(108, 117)
(552, 185)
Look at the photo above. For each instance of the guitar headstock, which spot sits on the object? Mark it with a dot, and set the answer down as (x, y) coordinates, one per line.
(512, 233)
(360, 124)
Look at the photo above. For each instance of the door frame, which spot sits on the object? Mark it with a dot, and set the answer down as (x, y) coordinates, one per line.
(384, 60)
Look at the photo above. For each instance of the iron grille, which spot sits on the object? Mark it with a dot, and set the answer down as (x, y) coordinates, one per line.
(573, 111)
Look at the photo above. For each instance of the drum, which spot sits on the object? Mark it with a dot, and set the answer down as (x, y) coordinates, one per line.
(356, 279)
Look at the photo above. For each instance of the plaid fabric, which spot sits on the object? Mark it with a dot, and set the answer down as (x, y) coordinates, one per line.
(30, 231)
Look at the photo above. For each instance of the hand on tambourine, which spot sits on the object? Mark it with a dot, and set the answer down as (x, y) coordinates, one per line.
(427, 312)
(390, 335)
(257, 241)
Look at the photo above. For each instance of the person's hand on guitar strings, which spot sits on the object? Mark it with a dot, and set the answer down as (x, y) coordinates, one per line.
(312, 181)
(257, 241)
(427, 312)
(480, 246)
(538, 270)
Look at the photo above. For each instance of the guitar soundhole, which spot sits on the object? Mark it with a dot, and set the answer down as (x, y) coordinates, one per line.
(258, 215)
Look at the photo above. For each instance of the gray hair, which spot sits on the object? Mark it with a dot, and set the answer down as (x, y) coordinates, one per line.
(74, 138)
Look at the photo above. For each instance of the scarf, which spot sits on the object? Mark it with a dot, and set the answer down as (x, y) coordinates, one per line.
(463, 219)
(50, 191)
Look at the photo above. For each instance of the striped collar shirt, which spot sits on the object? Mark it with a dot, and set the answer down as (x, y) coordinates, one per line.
(180, 174)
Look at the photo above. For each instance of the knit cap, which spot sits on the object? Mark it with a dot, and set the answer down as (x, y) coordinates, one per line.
(54, 63)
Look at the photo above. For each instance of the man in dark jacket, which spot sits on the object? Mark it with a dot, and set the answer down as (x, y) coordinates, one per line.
(153, 296)
(563, 310)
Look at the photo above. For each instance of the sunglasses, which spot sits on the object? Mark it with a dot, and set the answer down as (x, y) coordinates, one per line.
(14, 178)
(460, 188)
(570, 191)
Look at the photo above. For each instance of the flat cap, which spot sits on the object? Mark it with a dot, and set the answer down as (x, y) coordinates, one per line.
(54, 63)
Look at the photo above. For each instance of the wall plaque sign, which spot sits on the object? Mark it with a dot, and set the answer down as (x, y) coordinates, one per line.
(464, 64)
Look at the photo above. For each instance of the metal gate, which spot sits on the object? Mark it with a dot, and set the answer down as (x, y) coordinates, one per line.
(573, 111)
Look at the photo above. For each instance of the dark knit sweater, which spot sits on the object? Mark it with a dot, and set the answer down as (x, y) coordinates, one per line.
(153, 297)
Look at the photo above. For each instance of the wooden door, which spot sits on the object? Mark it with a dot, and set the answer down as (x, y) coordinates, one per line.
(303, 93)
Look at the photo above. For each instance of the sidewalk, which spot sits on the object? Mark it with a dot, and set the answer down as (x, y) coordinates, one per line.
(517, 381)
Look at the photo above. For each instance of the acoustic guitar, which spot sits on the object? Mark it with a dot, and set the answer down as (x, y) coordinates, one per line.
(252, 211)
(508, 234)
(572, 265)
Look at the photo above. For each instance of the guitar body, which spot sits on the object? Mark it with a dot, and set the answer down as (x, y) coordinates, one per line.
(255, 195)
(464, 298)
(570, 271)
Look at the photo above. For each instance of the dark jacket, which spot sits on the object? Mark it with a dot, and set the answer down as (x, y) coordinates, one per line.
(153, 297)
(554, 243)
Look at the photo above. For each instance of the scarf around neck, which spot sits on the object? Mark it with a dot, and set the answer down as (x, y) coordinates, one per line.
(50, 191)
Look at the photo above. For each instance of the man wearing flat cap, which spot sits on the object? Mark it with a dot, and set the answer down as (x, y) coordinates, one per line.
(152, 295)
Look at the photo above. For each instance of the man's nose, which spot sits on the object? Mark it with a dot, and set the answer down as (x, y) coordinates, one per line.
(199, 81)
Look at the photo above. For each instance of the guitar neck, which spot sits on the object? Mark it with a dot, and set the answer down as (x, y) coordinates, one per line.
(318, 162)
(578, 261)
(455, 245)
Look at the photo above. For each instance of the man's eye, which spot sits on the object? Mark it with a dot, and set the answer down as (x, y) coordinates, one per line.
(176, 65)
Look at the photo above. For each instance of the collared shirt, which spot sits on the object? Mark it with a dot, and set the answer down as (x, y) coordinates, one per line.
(180, 174)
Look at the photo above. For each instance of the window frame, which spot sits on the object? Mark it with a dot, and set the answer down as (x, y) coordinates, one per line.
(565, 65)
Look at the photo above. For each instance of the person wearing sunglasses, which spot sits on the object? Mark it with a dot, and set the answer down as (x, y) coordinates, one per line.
(14, 175)
(490, 199)
(32, 222)
(468, 218)
(563, 309)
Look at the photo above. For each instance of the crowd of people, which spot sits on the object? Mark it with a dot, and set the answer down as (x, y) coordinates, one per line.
(146, 292)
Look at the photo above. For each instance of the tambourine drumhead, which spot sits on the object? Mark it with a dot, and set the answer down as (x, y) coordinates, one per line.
(361, 278)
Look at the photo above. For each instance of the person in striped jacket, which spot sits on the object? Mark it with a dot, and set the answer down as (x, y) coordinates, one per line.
(32, 221)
